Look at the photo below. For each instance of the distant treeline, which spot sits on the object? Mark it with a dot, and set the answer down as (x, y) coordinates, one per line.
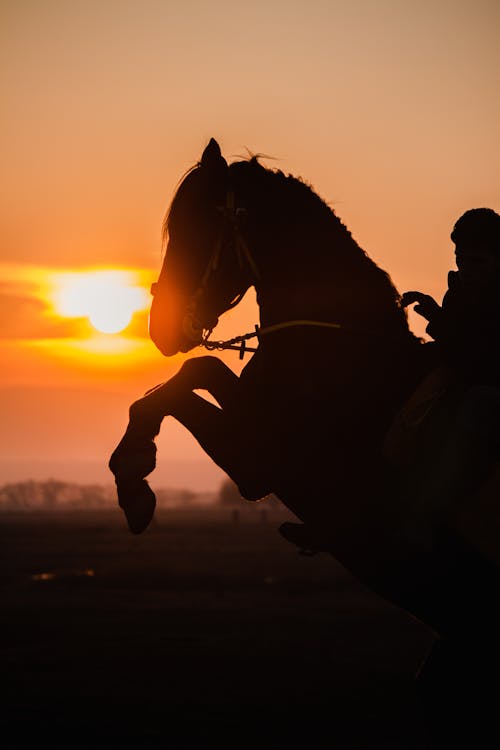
(53, 494)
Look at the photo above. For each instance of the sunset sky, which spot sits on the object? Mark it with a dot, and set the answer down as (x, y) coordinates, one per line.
(391, 109)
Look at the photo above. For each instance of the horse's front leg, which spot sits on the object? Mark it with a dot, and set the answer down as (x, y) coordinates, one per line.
(218, 430)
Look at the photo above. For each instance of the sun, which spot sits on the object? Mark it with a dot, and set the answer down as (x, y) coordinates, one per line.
(107, 298)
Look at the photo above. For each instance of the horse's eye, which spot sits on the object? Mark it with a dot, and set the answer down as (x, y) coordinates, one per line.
(153, 288)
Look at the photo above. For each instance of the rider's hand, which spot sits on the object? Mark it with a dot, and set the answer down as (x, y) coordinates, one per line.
(426, 305)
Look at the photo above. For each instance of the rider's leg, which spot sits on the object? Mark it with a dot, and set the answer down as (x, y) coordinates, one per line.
(468, 456)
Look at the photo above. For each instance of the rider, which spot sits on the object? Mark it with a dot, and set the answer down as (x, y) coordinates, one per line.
(466, 329)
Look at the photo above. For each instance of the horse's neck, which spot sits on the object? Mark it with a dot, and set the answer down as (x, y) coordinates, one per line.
(378, 337)
(325, 299)
(301, 278)
(314, 270)
(291, 290)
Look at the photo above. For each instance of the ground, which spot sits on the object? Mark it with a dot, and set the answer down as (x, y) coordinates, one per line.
(204, 630)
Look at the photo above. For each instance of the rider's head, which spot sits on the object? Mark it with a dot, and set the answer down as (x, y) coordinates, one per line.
(476, 235)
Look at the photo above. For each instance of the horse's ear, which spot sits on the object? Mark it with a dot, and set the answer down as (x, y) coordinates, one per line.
(212, 156)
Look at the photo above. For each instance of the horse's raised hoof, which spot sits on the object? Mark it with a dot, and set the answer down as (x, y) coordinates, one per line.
(138, 502)
(133, 457)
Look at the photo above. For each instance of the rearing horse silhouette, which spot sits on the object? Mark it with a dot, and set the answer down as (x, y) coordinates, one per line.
(306, 419)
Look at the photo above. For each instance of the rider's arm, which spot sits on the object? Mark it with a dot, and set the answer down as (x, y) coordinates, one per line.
(427, 307)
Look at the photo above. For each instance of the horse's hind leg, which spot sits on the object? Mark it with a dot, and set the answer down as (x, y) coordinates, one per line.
(458, 683)
(457, 690)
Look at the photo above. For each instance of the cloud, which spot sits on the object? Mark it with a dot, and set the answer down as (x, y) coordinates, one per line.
(23, 315)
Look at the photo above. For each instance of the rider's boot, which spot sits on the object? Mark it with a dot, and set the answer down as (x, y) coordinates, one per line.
(467, 460)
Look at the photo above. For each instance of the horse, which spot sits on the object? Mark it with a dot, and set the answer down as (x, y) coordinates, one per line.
(308, 417)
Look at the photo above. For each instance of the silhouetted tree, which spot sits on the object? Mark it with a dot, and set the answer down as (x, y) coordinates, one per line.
(229, 494)
(50, 492)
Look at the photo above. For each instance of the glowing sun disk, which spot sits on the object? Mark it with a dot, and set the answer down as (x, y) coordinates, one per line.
(107, 298)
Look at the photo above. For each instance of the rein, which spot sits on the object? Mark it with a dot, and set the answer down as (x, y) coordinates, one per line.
(239, 343)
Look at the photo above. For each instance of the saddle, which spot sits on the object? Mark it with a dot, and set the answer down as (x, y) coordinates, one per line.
(413, 446)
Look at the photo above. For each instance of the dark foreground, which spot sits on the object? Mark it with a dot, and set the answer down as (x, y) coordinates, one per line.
(202, 631)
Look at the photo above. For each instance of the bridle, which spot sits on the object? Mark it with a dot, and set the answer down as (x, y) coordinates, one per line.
(229, 240)
(232, 216)
(239, 343)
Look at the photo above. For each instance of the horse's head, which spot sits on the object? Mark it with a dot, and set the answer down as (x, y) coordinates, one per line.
(207, 266)
(229, 227)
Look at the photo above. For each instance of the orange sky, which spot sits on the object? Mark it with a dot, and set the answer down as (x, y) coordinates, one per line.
(390, 109)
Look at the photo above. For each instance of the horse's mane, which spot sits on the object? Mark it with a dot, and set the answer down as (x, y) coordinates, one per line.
(331, 248)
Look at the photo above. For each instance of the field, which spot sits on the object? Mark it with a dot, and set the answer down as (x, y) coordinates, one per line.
(204, 630)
